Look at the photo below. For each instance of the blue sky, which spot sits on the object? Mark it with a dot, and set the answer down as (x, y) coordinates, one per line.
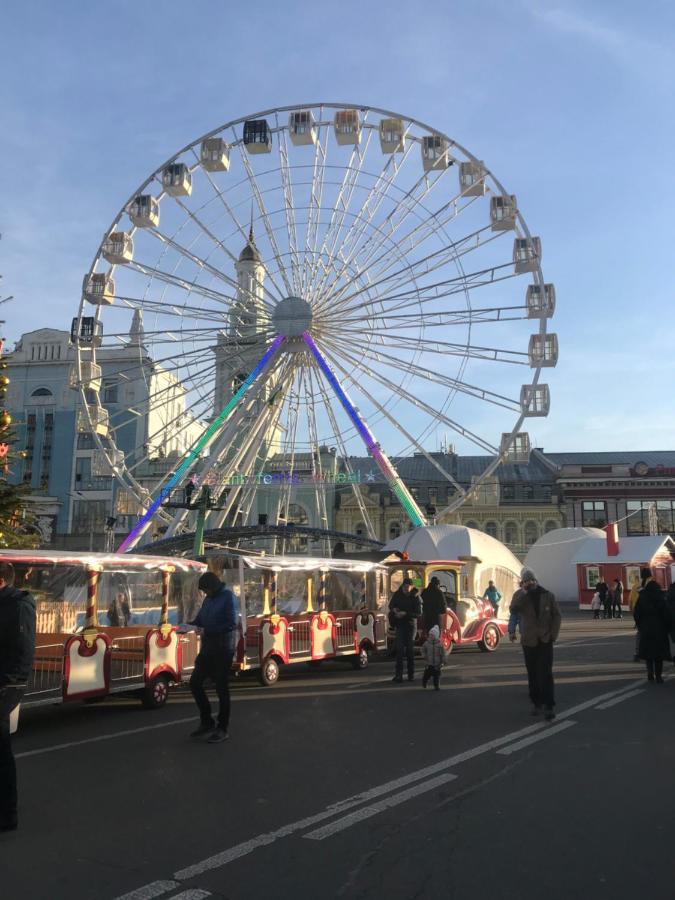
(570, 105)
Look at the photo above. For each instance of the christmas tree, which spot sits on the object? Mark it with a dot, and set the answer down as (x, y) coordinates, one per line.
(17, 523)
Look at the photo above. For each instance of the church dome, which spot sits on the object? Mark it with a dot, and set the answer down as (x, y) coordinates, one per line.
(250, 251)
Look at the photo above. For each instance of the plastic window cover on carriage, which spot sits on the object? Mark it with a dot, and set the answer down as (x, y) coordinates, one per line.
(310, 564)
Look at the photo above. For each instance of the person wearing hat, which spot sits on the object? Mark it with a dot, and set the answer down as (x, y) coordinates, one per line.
(218, 618)
(404, 610)
(433, 604)
(536, 611)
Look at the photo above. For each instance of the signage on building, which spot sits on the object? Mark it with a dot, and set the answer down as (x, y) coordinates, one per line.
(642, 469)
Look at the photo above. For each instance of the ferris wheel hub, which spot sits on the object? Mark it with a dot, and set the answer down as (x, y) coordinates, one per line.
(292, 316)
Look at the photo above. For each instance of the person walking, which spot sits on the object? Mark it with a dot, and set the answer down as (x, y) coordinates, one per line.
(653, 621)
(434, 656)
(493, 595)
(536, 612)
(404, 610)
(218, 618)
(617, 598)
(17, 649)
(433, 604)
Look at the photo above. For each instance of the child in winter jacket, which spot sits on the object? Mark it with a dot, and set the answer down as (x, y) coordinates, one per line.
(596, 605)
(434, 655)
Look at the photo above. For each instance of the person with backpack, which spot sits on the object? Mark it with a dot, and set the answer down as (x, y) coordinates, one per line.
(404, 610)
(17, 649)
(434, 656)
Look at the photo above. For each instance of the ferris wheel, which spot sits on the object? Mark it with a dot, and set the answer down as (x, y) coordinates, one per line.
(309, 278)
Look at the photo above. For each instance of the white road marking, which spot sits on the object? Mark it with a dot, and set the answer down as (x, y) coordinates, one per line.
(366, 812)
(620, 699)
(102, 737)
(548, 732)
(194, 894)
(150, 891)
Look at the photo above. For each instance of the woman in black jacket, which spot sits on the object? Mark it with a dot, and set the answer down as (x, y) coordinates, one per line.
(652, 618)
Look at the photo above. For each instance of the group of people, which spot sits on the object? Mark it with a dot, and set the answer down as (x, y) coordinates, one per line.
(607, 600)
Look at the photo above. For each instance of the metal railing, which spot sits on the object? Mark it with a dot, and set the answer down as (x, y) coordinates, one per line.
(299, 638)
(47, 675)
(127, 660)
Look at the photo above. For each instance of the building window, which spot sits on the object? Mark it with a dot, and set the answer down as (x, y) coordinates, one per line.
(360, 529)
(42, 392)
(394, 530)
(665, 516)
(110, 392)
(491, 529)
(85, 441)
(510, 533)
(550, 526)
(89, 516)
(531, 533)
(638, 516)
(508, 492)
(471, 524)
(47, 436)
(593, 513)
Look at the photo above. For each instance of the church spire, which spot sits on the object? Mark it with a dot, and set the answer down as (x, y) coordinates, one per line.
(137, 331)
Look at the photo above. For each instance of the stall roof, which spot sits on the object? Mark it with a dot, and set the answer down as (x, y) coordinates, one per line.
(309, 563)
(106, 560)
(639, 549)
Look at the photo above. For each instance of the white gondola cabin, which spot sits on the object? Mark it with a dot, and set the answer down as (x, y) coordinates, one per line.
(392, 133)
(91, 376)
(118, 247)
(540, 303)
(99, 288)
(535, 400)
(177, 180)
(526, 254)
(472, 179)
(257, 136)
(435, 152)
(543, 351)
(347, 126)
(214, 155)
(301, 127)
(503, 211)
(98, 420)
(144, 211)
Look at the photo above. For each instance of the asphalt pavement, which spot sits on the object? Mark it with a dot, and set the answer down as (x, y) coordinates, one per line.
(338, 783)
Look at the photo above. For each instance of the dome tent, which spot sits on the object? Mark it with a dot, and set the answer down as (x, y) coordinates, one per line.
(553, 559)
(484, 557)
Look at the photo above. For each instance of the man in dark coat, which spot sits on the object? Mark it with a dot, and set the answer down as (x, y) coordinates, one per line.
(652, 618)
(219, 620)
(404, 609)
(17, 649)
(602, 588)
(535, 611)
(433, 604)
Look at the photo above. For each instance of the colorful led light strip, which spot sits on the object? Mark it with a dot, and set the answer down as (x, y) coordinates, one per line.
(142, 524)
(406, 500)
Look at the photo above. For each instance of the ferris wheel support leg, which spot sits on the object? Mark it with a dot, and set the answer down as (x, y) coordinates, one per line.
(143, 523)
(384, 464)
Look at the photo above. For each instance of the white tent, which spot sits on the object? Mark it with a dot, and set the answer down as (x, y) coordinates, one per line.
(554, 556)
(484, 557)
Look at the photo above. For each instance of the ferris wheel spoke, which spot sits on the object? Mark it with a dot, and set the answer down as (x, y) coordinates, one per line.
(397, 424)
(413, 367)
(422, 405)
(315, 203)
(407, 205)
(232, 257)
(241, 230)
(202, 264)
(356, 490)
(342, 204)
(395, 323)
(317, 467)
(191, 287)
(446, 348)
(260, 203)
(289, 203)
(169, 309)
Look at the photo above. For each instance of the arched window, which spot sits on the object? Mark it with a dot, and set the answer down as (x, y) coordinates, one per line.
(297, 514)
(491, 529)
(394, 530)
(472, 525)
(531, 533)
(42, 392)
(550, 526)
(510, 533)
